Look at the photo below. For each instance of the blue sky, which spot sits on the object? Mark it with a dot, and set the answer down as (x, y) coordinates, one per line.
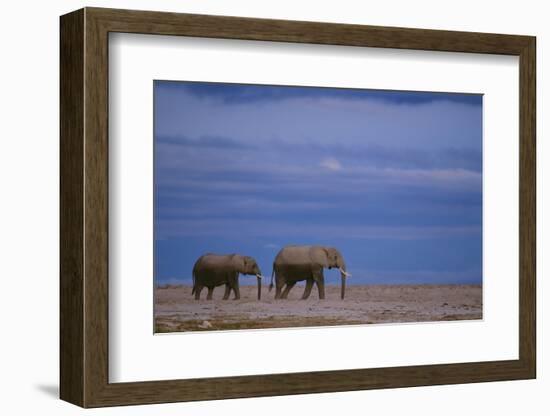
(391, 178)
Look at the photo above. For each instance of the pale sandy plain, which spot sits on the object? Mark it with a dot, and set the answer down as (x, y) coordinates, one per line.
(176, 310)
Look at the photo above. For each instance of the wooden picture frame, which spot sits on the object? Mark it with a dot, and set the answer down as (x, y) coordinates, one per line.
(84, 207)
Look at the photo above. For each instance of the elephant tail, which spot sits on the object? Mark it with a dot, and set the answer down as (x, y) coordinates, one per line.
(272, 274)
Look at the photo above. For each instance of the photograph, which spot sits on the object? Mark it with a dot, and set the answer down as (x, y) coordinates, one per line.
(234, 186)
(281, 206)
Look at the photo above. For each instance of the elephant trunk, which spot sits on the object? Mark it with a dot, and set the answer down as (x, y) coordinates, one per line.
(344, 275)
(259, 278)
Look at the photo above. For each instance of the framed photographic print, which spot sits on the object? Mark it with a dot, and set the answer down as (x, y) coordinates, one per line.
(255, 207)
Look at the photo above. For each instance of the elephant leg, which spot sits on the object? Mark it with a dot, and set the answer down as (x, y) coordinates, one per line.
(280, 281)
(307, 291)
(287, 289)
(321, 287)
(227, 292)
(198, 289)
(278, 289)
(237, 292)
(210, 292)
(233, 284)
(320, 280)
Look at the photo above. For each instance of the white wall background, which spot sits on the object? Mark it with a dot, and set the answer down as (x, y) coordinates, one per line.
(29, 77)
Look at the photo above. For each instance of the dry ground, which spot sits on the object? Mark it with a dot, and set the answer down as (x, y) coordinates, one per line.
(176, 310)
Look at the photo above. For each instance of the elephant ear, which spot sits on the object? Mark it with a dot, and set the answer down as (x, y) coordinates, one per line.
(319, 255)
(238, 262)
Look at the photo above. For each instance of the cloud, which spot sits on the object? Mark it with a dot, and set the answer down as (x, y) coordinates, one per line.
(327, 121)
(430, 177)
(215, 142)
(298, 233)
(256, 176)
(246, 93)
(331, 164)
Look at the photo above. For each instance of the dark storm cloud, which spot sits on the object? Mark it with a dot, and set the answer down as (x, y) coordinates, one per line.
(242, 93)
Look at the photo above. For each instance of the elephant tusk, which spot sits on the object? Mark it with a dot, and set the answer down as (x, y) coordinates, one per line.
(260, 276)
(344, 272)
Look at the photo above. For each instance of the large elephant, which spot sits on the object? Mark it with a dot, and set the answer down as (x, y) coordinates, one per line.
(211, 270)
(296, 263)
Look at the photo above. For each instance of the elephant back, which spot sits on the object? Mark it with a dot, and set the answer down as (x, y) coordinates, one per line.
(214, 261)
(300, 255)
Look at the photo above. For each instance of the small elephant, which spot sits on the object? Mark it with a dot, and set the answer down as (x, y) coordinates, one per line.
(296, 263)
(211, 270)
